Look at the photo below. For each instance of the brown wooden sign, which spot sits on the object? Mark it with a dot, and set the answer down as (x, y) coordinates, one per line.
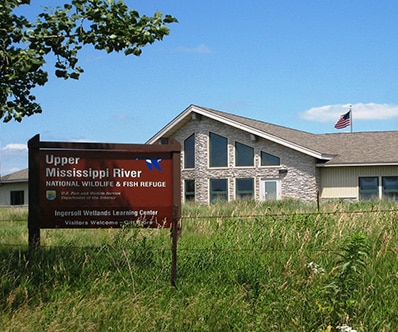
(94, 189)
(102, 185)
(95, 185)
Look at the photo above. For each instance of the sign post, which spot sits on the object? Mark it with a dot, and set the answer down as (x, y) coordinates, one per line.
(103, 185)
(34, 214)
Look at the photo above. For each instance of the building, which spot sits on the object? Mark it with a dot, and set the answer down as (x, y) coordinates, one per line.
(14, 189)
(230, 157)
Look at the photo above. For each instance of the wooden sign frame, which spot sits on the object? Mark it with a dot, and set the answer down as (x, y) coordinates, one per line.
(104, 185)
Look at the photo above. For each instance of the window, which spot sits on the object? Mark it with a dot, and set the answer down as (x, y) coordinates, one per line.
(269, 160)
(189, 152)
(244, 188)
(218, 151)
(390, 187)
(244, 155)
(368, 187)
(189, 189)
(17, 197)
(218, 190)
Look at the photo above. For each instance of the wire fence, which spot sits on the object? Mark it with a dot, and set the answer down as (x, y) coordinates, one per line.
(292, 214)
(266, 215)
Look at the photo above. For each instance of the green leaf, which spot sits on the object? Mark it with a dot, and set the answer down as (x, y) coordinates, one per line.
(61, 73)
(74, 75)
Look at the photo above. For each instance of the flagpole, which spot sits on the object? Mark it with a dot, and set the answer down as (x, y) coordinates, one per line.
(351, 117)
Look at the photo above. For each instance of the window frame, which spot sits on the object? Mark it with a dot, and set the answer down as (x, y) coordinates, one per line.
(17, 197)
(366, 194)
(189, 151)
(189, 196)
(247, 194)
(389, 193)
(214, 156)
(240, 156)
(219, 193)
(263, 164)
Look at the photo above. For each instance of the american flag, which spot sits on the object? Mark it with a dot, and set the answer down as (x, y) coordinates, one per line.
(344, 121)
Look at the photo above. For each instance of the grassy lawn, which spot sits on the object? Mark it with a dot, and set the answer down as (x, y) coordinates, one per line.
(242, 266)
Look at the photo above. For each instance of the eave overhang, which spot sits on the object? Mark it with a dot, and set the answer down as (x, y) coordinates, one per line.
(373, 164)
(13, 181)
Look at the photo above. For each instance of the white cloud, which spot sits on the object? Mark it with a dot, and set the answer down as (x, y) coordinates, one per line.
(15, 147)
(82, 140)
(121, 116)
(200, 49)
(6, 171)
(361, 111)
(13, 157)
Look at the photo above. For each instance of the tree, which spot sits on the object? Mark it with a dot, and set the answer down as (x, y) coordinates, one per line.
(106, 24)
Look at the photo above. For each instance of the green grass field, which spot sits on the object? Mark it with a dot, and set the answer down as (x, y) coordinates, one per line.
(242, 266)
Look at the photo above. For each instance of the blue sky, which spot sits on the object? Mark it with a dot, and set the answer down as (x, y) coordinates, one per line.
(293, 63)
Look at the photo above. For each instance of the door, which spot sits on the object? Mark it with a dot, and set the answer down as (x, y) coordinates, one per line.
(270, 190)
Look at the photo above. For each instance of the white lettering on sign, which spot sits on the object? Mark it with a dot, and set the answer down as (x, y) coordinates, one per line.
(125, 173)
(130, 184)
(77, 173)
(148, 212)
(153, 184)
(51, 159)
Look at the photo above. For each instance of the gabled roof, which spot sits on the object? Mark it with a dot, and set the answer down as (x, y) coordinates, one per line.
(371, 148)
(20, 176)
(294, 139)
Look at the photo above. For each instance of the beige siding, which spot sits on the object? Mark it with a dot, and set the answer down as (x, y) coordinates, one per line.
(342, 182)
(6, 189)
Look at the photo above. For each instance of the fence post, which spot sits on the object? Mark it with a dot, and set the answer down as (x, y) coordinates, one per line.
(174, 235)
(176, 160)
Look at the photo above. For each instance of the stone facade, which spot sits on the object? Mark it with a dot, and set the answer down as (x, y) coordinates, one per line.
(297, 175)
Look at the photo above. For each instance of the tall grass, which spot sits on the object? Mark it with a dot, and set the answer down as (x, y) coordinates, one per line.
(242, 266)
(14, 214)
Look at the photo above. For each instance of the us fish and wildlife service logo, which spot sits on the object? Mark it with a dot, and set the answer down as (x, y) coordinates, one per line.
(51, 195)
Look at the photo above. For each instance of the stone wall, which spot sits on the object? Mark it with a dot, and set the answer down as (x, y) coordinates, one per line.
(300, 181)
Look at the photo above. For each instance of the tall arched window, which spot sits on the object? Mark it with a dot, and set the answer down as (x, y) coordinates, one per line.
(189, 152)
(218, 151)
